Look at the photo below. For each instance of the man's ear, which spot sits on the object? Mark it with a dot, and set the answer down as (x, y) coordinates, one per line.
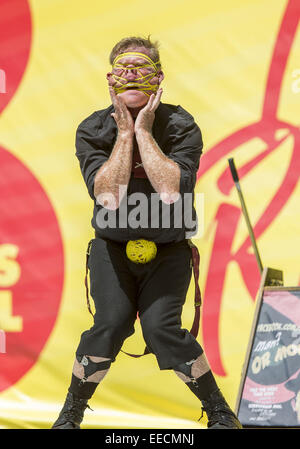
(160, 76)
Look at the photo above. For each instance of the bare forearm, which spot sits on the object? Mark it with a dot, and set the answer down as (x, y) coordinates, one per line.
(114, 172)
(163, 173)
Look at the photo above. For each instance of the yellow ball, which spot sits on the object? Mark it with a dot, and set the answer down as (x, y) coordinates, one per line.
(141, 251)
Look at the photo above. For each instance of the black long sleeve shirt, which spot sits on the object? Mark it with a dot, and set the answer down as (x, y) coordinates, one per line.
(180, 139)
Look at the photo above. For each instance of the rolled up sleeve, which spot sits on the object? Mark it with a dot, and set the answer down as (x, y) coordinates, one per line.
(91, 149)
(185, 148)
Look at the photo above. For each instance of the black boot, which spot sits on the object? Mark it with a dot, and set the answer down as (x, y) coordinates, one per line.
(219, 414)
(72, 412)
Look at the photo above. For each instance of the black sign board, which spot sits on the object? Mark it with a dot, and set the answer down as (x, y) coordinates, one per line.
(269, 394)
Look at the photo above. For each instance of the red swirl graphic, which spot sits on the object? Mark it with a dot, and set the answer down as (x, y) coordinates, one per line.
(228, 216)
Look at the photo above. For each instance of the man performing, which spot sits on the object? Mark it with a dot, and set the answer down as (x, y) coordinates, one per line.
(136, 149)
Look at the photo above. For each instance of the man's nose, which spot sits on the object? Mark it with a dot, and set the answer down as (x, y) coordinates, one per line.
(130, 73)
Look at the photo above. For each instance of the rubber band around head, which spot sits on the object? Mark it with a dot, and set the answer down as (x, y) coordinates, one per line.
(145, 85)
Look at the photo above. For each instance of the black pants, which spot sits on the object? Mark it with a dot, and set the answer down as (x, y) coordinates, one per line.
(156, 290)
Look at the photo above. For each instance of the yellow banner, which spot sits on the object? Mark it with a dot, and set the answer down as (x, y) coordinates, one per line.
(235, 67)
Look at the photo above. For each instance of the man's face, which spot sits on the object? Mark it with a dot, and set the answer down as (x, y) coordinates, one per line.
(135, 77)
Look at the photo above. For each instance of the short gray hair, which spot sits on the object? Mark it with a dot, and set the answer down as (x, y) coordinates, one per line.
(128, 43)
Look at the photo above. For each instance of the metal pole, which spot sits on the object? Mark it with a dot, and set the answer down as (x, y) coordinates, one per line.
(245, 212)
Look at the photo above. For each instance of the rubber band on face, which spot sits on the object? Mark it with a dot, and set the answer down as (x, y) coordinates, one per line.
(141, 83)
